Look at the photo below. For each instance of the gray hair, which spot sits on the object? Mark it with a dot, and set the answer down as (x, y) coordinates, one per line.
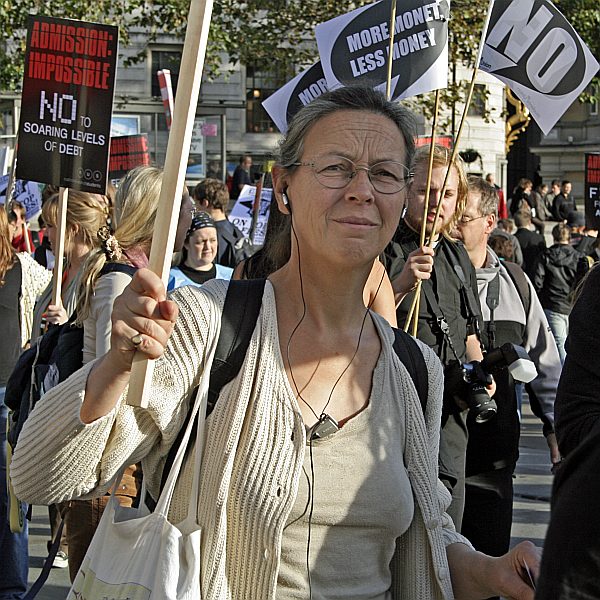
(488, 202)
(359, 98)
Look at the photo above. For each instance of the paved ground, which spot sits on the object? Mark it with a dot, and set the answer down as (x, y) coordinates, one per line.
(532, 510)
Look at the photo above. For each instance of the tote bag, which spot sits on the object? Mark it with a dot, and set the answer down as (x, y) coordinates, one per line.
(137, 554)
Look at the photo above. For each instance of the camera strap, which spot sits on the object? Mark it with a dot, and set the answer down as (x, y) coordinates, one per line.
(440, 320)
(492, 300)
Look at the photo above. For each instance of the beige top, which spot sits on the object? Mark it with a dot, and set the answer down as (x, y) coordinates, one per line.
(97, 326)
(253, 456)
(362, 502)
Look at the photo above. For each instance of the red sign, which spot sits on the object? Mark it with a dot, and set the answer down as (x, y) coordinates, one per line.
(68, 86)
(126, 153)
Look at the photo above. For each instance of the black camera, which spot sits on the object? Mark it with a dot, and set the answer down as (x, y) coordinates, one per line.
(469, 380)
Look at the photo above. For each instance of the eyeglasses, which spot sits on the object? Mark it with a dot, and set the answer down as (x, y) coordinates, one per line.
(336, 172)
(464, 220)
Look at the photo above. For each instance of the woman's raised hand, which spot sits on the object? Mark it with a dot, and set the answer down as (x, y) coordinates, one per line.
(142, 320)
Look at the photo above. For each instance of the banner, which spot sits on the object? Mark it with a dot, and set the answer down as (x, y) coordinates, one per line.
(532, 48)
(296, 93)
(26, 192)
(68, 86)
(241, 214)
(126, 153)
(166, 93)
(354, 47)
(592, 191)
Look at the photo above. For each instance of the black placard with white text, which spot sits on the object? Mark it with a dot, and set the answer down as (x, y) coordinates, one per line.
(592, 191)
(68, 88)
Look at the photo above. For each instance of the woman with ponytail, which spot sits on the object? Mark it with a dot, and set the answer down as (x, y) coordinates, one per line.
(108, 269)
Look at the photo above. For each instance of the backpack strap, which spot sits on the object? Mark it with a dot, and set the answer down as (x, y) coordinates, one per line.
(114, 267)
(240, 313)
(408, 351)
(520, 280)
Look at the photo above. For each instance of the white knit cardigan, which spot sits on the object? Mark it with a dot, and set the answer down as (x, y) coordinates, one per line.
(34, 279)
(255, 444)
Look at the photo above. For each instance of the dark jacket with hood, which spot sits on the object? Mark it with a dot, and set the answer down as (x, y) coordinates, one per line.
(555, 276)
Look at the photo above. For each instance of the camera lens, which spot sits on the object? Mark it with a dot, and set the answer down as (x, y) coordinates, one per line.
(481, 405)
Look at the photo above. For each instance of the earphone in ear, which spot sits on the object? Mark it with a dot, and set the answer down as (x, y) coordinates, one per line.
(286, 200)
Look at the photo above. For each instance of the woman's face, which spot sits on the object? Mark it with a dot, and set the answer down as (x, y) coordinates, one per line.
(201, 247)
(355, 221)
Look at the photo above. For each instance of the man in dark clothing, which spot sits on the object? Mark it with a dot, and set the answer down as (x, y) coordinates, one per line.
(211, 196)
(532, 243)
(241, 176)
(549, 198)
(556, 273)
(511, 314)
(570, 567)
(564, 202)
(449, 309)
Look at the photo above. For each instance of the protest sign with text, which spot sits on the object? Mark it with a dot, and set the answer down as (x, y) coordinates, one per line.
(532, 48)
(296, 93)
(26, 192)
(592, 190)
(126, 153)
(68, 86)
(241, 214)
(354, 47)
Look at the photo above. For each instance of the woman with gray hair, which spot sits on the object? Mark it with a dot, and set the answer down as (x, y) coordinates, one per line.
(319, 471)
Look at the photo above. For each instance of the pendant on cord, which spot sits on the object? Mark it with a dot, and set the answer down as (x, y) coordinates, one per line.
(324, 427)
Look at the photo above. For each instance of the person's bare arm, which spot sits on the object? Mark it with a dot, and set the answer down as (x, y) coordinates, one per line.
(379, 294)
(476, 575)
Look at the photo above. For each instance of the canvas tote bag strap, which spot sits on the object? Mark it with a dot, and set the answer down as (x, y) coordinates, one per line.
(200, 403)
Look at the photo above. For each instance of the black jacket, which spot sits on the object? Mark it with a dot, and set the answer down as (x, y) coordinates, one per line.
(556, 273)
(532, 245)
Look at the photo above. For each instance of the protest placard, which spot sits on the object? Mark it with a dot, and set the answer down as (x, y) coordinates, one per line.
(296, 93)
(241, 214)
(592, 190)
(68, 87)
(126, 153)
(25, 192)
(166, 93)
(532, 48)
(354, 47)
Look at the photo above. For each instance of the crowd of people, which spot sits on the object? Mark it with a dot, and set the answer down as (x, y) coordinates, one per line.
(324, 474)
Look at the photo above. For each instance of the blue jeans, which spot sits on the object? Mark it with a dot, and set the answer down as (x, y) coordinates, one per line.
(559, 324)
(14, 552)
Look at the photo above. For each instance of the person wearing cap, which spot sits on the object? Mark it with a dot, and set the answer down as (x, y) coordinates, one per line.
(199, 252)
(576, 221)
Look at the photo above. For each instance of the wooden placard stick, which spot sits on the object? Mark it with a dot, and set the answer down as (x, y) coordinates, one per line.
(178, 149)
(392, 30)
(414, 309)
(59, 247)
(462, 120)
(26, 234)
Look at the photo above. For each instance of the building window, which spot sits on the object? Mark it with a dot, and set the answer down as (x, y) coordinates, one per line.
(165, 59)
(259, 86)
(477, 107)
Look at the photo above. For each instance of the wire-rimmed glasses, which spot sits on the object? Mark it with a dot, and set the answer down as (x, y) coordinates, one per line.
(336, 172)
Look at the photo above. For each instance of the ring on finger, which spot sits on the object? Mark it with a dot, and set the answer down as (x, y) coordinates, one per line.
(136, 339)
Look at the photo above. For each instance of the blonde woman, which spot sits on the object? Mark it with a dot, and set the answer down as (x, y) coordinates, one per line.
(86, 214)
(107, 271)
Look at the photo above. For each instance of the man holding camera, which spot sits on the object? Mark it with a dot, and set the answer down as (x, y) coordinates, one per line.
(449, 309)
(513, 314)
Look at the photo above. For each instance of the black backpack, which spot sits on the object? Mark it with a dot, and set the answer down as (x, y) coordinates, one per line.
(51, 359)
(240, 313)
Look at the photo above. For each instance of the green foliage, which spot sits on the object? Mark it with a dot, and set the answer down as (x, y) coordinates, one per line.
(259, 32)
